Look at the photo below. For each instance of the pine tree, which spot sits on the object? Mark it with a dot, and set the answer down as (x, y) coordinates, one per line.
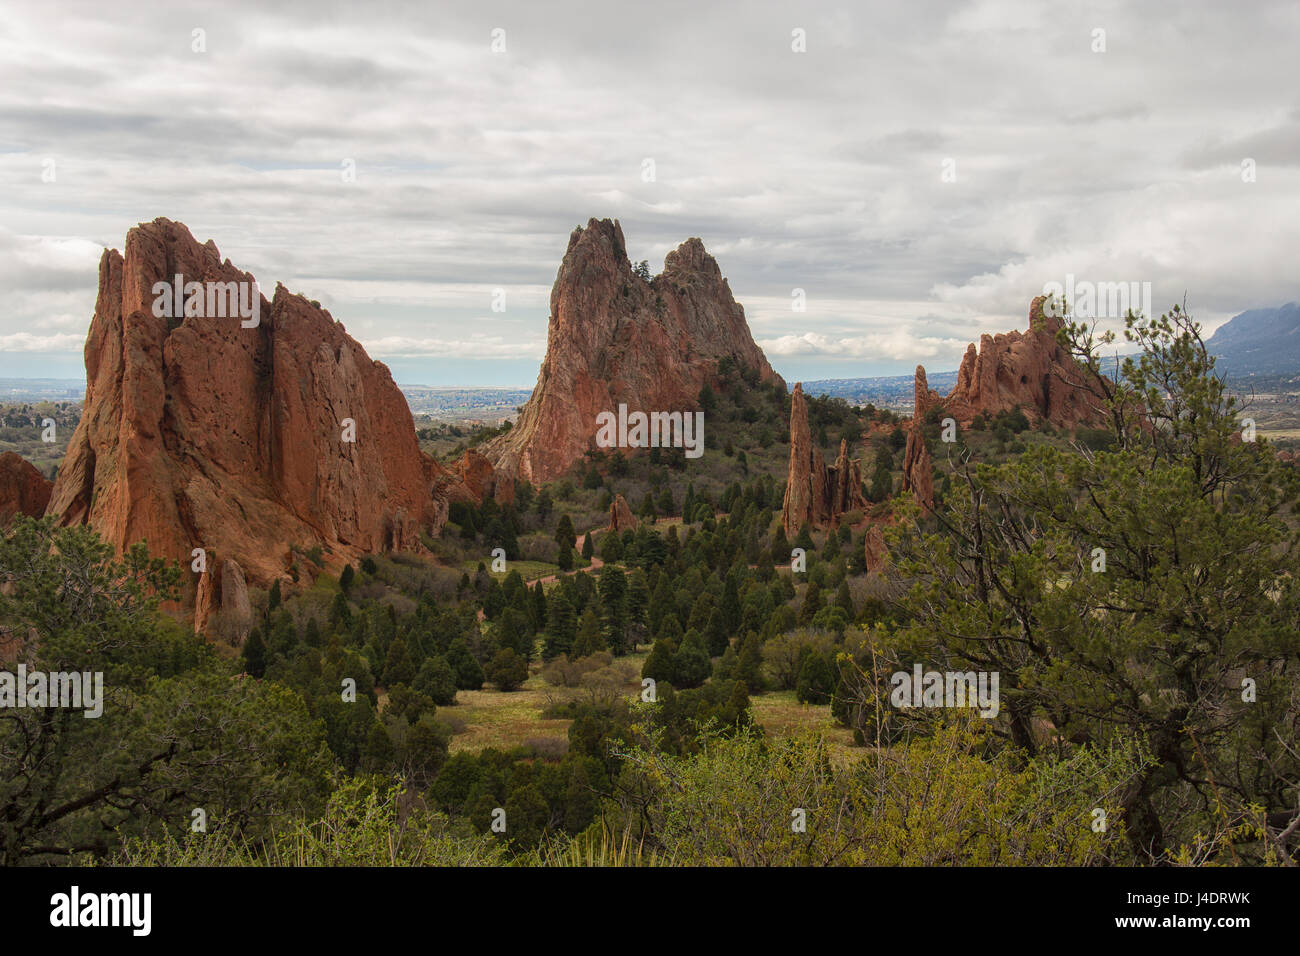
(638, 603)
(436, 679)
(398, 668)
(591, 639)
(507, 670)
(565, 536)
(254, 653)
(691, 664)
(469, 673)
(659, 665)
(561, 625)
(845, 600)
(812, 603)
(666, 505)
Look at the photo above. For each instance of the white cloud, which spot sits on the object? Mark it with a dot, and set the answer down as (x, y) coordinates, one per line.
(31, 342)
(396, 346)
(818, 170)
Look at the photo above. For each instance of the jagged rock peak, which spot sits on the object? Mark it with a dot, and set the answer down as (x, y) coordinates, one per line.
(239, 437)
(614, 339)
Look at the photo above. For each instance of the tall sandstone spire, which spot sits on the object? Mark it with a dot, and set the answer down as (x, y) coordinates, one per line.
(918, 474)
(815, 493)
(615, 338)
(199, 433)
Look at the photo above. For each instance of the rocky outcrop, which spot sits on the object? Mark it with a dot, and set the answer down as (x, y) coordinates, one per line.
(615, 338)
(23, 489)
(479, 480)
(918, 474)
(224, 590)
(875, 548)
(1030, 371)
(239, 438)
(815, 493)
(620, 515)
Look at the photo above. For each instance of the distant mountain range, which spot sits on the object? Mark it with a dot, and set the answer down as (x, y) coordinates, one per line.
(1259, 342)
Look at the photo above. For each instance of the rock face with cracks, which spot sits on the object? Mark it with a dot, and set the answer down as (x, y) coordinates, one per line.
(201, 433)
(615, 338)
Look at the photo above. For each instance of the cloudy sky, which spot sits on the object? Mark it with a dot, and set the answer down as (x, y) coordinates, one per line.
(920, 170)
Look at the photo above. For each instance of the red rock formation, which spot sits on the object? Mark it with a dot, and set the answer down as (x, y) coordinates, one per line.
(200, 433)
(875, 548)
(918, 475)
(924, 397)
(1029, 370)
(23, 489)
(815, 493)
(616, 339)
(480, 480)
(620, 515)
(224, 589)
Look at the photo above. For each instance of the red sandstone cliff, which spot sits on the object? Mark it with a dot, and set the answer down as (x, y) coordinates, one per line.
(200, 433)
(23, 489)
(615, 338)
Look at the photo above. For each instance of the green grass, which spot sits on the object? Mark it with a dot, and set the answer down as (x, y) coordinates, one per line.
(781, 715)
(528, 570)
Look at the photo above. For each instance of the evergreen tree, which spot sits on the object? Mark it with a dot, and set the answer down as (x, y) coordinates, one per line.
(561, 625)
(591, 638)
(543, 505)
(398, 668)
(659, 665)
(565, 536)
(691, 664)
(750, 670)
(817, 679)
(613, 607)
(436, 679)
(469, 673)
(254, 654)
(638, 603)
(507, 670)
(718, 634)
(666, 505)
(844, 599)
(812, 603)
(340, 612)
(611, 547)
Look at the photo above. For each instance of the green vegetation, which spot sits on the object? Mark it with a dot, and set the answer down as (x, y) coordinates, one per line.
(675, 693)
